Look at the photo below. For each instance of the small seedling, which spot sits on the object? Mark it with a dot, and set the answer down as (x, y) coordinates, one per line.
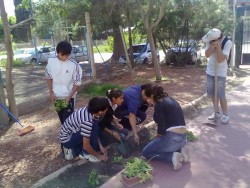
(60, 104)
(117, 159)
(93, 178)
(191, 137)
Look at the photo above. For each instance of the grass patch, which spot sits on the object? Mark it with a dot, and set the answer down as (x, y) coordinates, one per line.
(15, 63)
(94, 90)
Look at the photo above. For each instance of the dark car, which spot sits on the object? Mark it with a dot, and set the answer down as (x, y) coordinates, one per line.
(184, 52)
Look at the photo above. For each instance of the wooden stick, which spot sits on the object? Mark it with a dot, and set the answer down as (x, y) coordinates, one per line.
(215, 90)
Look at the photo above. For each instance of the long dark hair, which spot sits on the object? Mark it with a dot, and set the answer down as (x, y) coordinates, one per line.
(114, 93)
(156, 90)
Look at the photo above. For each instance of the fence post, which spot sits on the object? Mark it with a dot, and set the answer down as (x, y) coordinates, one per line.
(4, 120)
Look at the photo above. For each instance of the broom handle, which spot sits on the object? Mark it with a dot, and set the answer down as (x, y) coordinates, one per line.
(16, 120)
(216, 87)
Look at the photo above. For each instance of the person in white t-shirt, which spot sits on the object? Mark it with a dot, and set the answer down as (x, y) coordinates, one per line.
(64, 76)
(218, 53)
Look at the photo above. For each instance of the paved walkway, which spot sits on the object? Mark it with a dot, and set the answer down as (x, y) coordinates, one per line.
(220, 158)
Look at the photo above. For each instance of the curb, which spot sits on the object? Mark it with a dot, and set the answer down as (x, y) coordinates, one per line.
(56, 173)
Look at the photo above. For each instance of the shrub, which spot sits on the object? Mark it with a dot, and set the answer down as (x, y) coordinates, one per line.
(93, 90)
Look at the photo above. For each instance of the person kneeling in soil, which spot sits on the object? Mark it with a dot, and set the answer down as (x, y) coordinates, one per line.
(169, 144)
(133, 109)
(109, 123)
(79, 133)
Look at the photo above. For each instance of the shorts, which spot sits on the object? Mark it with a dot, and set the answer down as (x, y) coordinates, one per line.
(221, 86)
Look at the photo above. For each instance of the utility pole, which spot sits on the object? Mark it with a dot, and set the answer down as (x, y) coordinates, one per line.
(232, 61)
(90, 46)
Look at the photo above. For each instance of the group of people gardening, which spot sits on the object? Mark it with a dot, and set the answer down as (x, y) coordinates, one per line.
(84, 132)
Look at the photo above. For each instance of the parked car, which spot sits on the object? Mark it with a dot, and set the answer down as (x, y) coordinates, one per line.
(184, 52)
(28, 55)
(141, 54)
(79, 53)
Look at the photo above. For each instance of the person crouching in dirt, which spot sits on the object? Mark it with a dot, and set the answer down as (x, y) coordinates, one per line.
(79, 134)
(64, 76)
(169, 143)
(133, 109)
(109, 123)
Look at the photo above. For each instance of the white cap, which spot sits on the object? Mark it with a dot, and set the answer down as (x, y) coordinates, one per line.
(213, 34)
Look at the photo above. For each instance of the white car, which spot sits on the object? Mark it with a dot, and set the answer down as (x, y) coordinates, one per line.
(29, 55)
(141, 53)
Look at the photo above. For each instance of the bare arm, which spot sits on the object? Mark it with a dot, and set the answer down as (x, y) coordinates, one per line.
(51, 93)
(132, 121)
(90, 150)
(220, 56)
(216, 47)
(209, 51)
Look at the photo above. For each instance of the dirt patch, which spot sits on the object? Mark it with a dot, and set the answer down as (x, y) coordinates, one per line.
(25, 160)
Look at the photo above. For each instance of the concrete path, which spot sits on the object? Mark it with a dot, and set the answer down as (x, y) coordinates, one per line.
(219, 159)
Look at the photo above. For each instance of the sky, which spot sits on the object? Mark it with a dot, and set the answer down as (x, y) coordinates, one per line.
(9, 7)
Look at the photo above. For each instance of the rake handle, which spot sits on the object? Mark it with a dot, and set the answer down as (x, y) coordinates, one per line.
(215, 90)
(15, 119)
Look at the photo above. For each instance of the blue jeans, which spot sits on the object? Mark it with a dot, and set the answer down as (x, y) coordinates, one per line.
(162, 148)
(76, 140)
(221, 90)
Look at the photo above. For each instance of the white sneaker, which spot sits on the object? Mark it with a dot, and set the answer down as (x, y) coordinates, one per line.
(68, 153)
(90, 158)
(176, 160)
(217, 116)
(185, 153)
(225, 119)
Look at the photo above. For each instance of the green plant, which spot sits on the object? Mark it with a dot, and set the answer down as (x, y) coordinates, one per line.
(138, 167)
(93, 178)
(60, 104)
(191, 137)
(15, 63)
(117, 159)
(99, 89)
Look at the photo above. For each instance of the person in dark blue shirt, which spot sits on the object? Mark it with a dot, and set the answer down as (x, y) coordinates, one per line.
(133, 109)
(169, 143)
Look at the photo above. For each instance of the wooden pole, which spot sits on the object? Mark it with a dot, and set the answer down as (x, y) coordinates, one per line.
(125, 49)
(215, 90)
(4, 120)
(90, 46)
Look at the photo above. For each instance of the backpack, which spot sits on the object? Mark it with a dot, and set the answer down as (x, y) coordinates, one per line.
(222, 46)
(224, 42)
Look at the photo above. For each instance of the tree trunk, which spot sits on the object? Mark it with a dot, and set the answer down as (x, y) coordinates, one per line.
(118, 46)
(131, 57)
(3, 115)
(90, 46)
(154, 54)
(8, 46)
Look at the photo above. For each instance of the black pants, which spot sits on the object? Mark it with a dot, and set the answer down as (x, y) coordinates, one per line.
(66, 112)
